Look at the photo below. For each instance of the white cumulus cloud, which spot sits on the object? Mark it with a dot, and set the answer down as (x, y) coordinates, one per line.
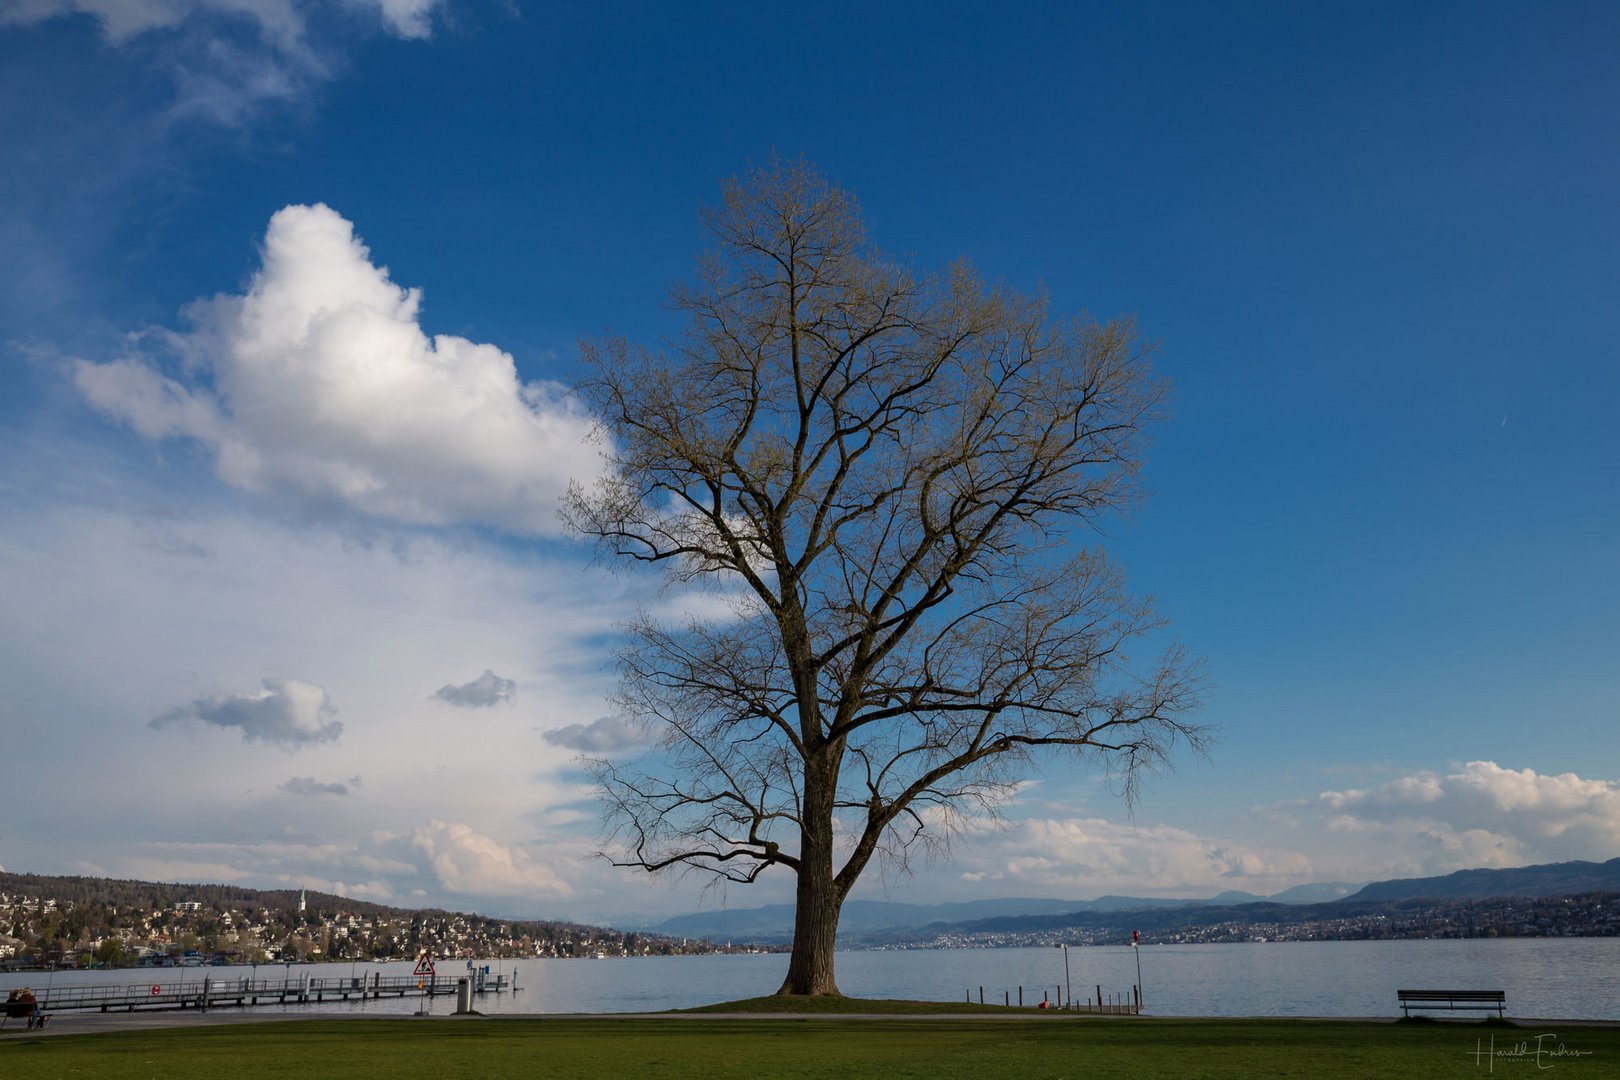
(1482, 814)
(1085, 857)
(460, 860)
(320, 385)
(282, 711)
(435, 863)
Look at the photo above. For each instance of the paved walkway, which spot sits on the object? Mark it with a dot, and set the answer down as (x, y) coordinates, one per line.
(89, 1023)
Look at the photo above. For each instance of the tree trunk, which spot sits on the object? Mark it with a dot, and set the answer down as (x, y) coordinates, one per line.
(815, 928)
(815, 915)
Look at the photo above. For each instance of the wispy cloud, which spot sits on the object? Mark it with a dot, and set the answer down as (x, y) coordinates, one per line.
(308, 785)
(406, 18)
(608, 735)
(228, 57)
(286, 712)
(280, 21)
(104, 125)
(486, 690)
(320, 386)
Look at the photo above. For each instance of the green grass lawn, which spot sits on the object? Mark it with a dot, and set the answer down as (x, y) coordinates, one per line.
(981, 1048)
(833, 1004)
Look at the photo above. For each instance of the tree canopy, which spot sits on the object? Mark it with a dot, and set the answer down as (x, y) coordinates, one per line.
(885, 475)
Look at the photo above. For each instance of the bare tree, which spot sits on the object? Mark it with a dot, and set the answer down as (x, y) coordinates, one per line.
(880, 472)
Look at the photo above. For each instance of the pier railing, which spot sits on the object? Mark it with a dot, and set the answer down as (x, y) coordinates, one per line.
(1128, 1003)
(231, 991)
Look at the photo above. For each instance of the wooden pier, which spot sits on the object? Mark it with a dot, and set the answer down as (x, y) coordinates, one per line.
(215, 991)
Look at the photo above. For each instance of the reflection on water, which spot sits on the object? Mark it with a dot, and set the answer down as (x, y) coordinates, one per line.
(1564, 978)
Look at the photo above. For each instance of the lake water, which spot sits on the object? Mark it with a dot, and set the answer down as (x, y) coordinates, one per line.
(1553, 978)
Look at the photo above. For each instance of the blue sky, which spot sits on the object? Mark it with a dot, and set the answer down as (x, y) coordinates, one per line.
(1379, 244)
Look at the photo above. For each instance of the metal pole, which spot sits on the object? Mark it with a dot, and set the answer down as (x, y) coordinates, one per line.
(1068, 987)
(1137, 946)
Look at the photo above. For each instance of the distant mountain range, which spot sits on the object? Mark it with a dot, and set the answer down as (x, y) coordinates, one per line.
(866, 919)
(873, 921)
(1547, 879)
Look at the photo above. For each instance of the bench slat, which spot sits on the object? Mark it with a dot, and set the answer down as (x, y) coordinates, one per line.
(1458, 995)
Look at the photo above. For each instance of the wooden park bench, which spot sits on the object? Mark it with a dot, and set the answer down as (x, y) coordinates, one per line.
(1452, 1000)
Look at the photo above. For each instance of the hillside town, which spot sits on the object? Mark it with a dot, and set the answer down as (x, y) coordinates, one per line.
(1589, 915)
(89, 922)
(82, 923)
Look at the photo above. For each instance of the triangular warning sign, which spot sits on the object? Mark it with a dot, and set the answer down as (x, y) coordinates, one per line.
(424, 966)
